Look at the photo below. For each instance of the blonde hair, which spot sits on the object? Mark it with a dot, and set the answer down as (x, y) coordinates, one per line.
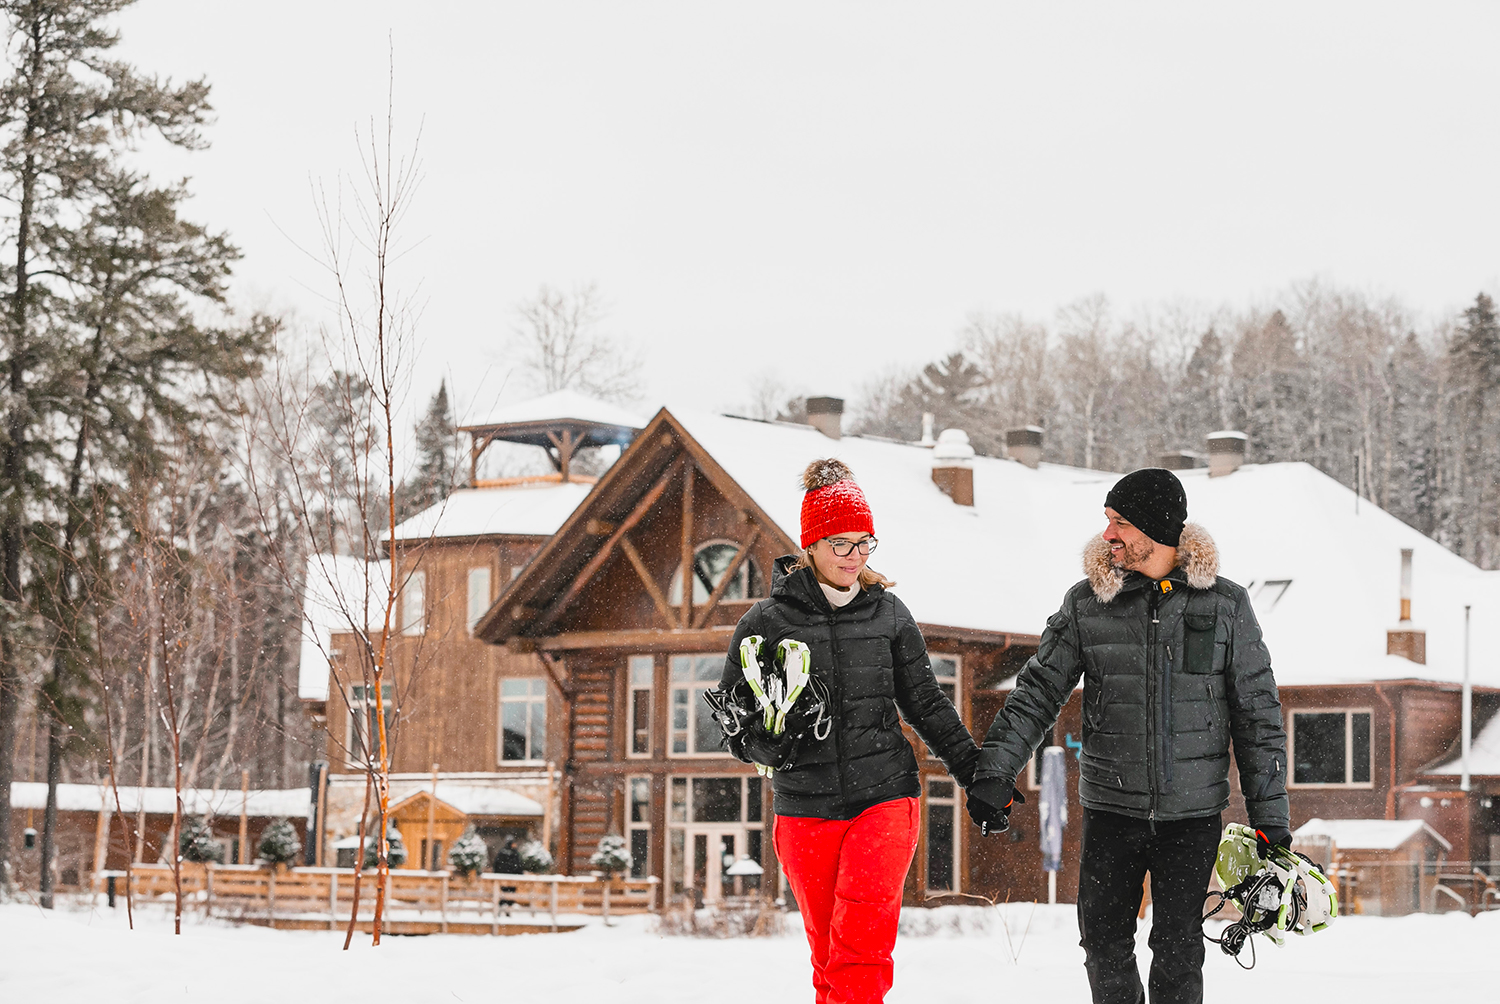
(867, 576)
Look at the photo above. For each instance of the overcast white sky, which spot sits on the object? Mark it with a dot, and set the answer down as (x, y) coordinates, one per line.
(828, 189)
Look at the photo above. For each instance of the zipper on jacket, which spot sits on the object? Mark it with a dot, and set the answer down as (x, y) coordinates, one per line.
(1153, 740)
(836, 688)
(1166, 720)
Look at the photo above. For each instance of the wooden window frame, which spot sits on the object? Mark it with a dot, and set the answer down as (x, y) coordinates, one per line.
(531, 699)
(486, 592)
(415, 587)
(695, 706)
(359, 708)
(632, 826)
(1348, 713)
(950, 802)
(634, 727)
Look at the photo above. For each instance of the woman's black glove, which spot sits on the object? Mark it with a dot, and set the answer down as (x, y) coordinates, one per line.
(989, 804)
(760, 746)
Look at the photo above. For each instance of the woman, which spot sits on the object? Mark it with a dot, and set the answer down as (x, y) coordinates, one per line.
(844, 776)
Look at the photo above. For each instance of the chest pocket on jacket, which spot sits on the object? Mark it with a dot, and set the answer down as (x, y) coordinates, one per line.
(1198, 641)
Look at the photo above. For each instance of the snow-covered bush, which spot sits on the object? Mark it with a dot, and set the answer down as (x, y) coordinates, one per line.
(396, 854)
(469, 853)
(611, 856)
(197, 842)
(279, 843)
(535, 858)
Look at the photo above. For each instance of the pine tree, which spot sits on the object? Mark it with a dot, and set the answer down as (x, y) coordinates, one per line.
(397, 849)
(612, 855)
(469, 854)
(279, 843)
(104, 357)
(535, 858)
(197, 842)
(436, 473)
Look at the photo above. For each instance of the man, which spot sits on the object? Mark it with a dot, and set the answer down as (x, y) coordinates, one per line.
(1174, 670)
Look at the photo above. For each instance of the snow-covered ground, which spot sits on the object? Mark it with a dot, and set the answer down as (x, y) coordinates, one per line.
(968, 954)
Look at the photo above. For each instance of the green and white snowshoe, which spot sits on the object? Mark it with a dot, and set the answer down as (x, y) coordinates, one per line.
(1284, 893)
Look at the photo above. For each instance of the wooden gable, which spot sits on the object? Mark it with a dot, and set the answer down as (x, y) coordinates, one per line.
(605, 578)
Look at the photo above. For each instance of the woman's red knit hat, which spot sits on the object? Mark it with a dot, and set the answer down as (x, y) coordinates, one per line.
(833, 503)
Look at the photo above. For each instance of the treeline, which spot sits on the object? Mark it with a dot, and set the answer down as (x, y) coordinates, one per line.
(1407, 413)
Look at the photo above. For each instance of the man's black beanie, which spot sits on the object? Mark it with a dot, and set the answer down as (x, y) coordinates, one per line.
(1152, 498)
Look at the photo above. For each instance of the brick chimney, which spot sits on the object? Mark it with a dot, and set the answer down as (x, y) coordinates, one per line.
(1024, 445)
(953, 466)
(1226, 452)
(1405, 639)
(826, 414)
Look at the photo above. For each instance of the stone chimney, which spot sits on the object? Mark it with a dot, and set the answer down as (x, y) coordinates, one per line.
(953, 466)
(1405, 639)
(826, 414)
(1226, 452)
(1178, 460)
(1024, 445)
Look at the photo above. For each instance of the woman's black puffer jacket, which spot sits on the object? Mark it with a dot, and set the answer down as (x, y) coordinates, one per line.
(872, 658)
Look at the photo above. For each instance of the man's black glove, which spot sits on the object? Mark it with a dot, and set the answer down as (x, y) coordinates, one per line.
(1272, 836)
(989, 804)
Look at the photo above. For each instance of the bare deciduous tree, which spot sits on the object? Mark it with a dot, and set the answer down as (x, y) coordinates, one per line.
(557, 344)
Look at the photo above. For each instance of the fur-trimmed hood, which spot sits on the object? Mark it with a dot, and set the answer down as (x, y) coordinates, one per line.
(1197, 556)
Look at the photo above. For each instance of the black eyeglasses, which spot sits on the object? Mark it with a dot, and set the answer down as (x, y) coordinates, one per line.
(843, 548)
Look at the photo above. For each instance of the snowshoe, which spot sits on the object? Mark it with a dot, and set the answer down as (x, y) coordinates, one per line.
(1282, 893)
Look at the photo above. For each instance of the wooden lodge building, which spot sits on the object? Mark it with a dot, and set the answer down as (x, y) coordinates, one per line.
(551, 660)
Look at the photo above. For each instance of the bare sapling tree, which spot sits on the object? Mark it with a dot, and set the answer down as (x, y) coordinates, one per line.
(335, 422)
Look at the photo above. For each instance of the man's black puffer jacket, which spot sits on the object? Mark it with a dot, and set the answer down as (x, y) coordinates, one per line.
(872, 658)
(1170, 679)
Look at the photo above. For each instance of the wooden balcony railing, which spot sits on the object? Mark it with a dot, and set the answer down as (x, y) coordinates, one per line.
(439, 901)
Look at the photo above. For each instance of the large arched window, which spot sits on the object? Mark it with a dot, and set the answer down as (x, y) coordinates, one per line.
(710, 562)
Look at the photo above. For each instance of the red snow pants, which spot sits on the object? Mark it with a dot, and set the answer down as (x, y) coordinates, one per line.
(847, 875)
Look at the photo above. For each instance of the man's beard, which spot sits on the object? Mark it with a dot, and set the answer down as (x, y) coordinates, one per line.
(1133, 555)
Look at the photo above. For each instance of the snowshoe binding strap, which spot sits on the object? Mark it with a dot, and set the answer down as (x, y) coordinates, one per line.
(755, 676)
(796, 668)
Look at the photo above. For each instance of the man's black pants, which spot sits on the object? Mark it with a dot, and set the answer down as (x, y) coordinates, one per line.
(1118, 851)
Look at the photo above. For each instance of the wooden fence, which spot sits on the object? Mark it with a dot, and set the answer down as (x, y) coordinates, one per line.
(416, 901)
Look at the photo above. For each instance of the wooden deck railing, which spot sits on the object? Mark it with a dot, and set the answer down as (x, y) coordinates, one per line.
(440, 899)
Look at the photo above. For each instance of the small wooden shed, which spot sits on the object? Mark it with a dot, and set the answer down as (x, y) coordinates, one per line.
(1384, 867)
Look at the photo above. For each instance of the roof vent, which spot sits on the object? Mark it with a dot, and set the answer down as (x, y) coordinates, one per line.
(826, 414)
(1404, 639)
(927, 420)
(1226, 452)
(953, 466)
(1178, 460)
(1024, 445)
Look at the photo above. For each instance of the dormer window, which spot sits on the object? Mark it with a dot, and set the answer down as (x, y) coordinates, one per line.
(710, 563)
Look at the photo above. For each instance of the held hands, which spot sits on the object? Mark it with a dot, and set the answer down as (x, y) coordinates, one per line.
(990, 803)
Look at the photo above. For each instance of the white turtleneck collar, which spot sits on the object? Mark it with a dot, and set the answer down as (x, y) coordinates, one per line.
(839, 597)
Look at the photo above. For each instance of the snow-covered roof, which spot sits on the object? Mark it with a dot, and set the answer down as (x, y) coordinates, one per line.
(534, 509)
(1369, 834)
(479, 799)
(1484, 754)
(562, 405)
(1000, 565)
(1324, 580)
(196, 801)
(339, 591)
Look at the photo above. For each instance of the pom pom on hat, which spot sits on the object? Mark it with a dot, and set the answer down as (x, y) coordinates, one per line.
(823, 473)
(833, 503)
